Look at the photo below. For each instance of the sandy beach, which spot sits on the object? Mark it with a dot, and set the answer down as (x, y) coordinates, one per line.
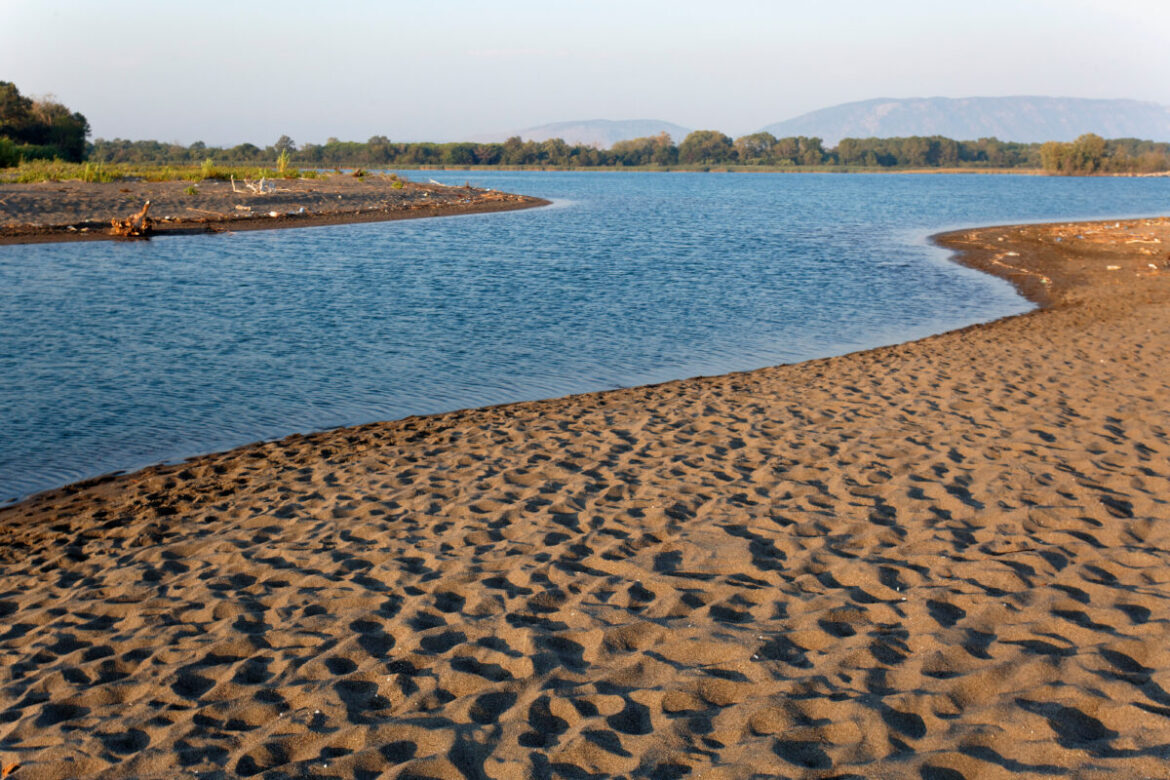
(944, 559)
(80, 211)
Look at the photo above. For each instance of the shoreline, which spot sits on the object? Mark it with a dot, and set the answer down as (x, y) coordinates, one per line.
(336, 200)
(720, 168)
(60, 235)
(1026, 283)
(943, 555)
(717, 168)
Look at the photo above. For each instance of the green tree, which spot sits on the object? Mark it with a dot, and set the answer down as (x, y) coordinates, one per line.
(664, 151)
(60, 128)
(43, 123)
(639, 151)
(755, 148)
(421, 154)
(914, 152)
(705, 146)
(378, 150)
(245, 153)
(15, 113)
(1088, 153)
(811, 150)
(513, 152)
(786, 150)
(1054, 156)
(944, 152)
(993, 152)
(459, 154)
(555, 151)
(489, 154)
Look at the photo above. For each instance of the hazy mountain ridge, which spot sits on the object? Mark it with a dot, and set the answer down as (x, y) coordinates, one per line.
(602, 133)
(1020, 118)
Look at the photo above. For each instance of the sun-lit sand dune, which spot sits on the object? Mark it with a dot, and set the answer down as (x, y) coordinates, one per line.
(945, 559)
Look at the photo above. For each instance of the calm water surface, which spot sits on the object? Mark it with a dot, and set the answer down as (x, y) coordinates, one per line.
(117, 355)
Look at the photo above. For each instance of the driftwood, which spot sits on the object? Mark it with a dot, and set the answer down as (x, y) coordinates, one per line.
(255, 188)
(134, 226)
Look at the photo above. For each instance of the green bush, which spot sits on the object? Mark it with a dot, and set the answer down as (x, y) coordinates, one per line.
(13, 154)
(8, 156)
(40, 129)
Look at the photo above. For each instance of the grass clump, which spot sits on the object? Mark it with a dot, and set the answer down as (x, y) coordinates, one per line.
(95, 173)
(56, 170)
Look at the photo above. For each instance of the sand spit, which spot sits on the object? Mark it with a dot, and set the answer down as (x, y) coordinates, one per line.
(945, 559)
(79, 211)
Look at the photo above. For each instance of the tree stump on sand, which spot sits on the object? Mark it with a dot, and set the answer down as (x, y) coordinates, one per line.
(135, 226)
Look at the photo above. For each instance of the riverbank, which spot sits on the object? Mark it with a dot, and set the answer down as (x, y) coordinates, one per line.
(949, 554)
(726, 168)
(81, 211)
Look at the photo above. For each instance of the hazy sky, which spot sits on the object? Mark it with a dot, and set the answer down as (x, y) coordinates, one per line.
(251, 70)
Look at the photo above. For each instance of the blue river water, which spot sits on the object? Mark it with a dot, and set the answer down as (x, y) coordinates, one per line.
(117, 355)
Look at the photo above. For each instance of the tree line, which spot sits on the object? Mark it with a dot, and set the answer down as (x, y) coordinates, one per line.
(700, 149)
(32, 129)
(40, 129)
(1093, 154)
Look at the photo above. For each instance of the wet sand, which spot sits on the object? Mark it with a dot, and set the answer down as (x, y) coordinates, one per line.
(80, 211)
(943, 559)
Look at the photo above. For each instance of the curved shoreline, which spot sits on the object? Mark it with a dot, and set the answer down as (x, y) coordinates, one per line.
(946, 554)
(58, 236)
(82, 212)
(1025, 281)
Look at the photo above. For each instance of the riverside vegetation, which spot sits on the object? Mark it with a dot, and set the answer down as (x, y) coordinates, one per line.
(702, 149)
(37, 135)
(100, 172)
(41, 129)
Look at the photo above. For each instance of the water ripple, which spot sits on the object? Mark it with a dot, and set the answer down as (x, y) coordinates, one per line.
(118, 355)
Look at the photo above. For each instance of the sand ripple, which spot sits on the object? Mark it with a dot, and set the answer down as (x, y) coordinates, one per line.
(946, 559)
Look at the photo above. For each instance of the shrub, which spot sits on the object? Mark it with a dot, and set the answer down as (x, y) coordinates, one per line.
(8, 155)
(96, 172)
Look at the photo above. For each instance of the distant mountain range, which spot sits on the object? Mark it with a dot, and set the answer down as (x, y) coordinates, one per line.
(602, 133)
(1025, 119)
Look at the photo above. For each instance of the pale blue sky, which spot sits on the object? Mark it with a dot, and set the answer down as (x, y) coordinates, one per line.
(250, 70)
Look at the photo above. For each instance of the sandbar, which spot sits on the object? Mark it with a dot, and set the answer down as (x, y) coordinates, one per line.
(81, 211)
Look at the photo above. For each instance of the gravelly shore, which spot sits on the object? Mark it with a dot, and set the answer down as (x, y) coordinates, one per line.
(79, 211)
